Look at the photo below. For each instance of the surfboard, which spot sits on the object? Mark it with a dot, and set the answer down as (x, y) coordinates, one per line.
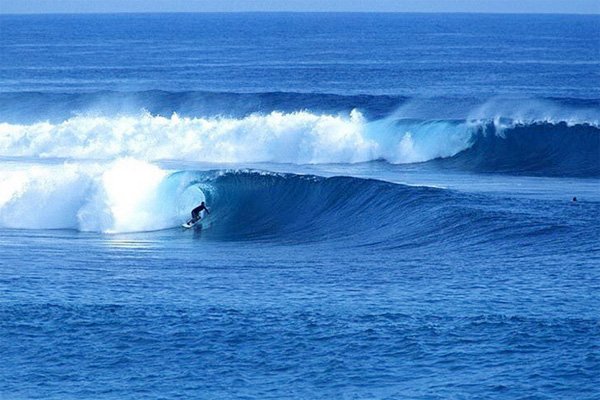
(190, 224)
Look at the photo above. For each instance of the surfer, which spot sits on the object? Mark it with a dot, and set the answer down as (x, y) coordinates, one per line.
(196, 212)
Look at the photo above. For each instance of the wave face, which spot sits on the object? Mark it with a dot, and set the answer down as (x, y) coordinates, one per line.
(543, 148)
(130, 196)
(287, 207)
(357, 212)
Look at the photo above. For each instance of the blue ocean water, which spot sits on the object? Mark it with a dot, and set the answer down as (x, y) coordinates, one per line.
(390, 195)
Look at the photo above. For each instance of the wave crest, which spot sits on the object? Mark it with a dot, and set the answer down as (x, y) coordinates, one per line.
(544, 146)
(299, 137)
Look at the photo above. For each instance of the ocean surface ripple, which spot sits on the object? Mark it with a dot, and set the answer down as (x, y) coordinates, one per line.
(402, 206)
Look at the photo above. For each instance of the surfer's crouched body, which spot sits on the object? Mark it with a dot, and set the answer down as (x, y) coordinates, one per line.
(196, 211)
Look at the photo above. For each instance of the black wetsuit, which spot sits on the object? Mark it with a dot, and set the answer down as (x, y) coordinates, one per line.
(196, 211)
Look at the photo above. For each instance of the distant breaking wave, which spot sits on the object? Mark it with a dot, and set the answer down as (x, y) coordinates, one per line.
(299, 138)
(543, 147)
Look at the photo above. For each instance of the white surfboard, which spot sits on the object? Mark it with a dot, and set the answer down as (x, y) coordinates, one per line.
(190, 224)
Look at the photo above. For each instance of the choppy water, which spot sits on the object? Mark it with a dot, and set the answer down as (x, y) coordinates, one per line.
(390, 197)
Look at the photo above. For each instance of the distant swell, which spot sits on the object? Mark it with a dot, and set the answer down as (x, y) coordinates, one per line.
(31, 107)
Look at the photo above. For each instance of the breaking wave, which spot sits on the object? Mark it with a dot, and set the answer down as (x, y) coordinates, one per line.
(299, 137)
(132, 196)
(125, 196)
(553, 137)
(569, 148)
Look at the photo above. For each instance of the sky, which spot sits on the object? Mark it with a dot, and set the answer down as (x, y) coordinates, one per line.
(483, 6)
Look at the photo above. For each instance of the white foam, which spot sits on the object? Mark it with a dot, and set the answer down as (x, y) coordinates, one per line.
(111, 185)
(123, 196)
(299, 137)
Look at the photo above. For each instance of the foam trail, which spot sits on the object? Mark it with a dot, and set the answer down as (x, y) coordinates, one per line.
(299, 137)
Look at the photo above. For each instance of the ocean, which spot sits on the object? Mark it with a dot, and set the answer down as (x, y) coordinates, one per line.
(391, 201)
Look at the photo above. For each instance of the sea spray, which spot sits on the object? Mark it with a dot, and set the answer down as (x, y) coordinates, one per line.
(122, 196)
(299, 137)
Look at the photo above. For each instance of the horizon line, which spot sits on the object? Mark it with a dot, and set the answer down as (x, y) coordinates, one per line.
(299, 12)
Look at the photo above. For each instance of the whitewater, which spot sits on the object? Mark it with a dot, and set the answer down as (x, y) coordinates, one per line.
(106, 181)
(401, 206)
